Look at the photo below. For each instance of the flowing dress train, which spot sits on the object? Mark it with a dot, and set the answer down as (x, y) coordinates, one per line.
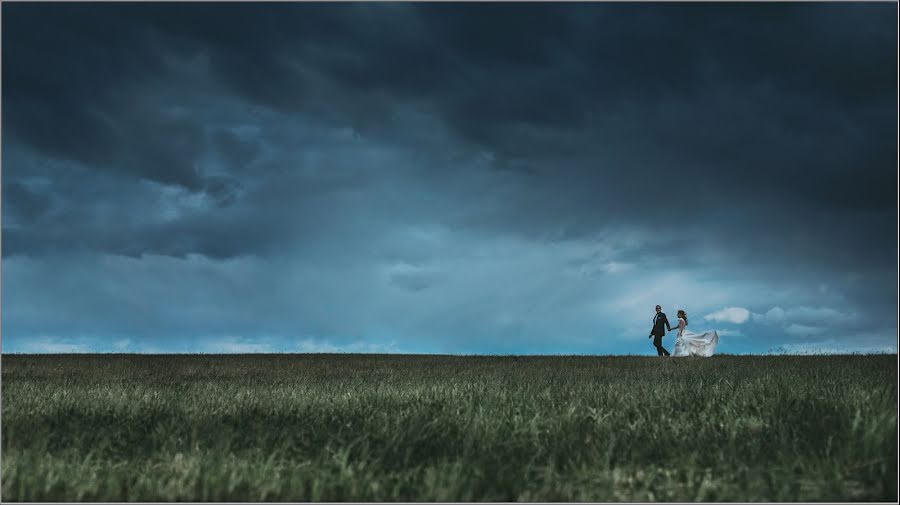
(689, 343)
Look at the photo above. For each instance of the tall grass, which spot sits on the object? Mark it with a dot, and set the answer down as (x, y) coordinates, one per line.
(448, 428)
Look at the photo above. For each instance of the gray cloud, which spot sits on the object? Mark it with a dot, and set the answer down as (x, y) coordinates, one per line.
(456, 177)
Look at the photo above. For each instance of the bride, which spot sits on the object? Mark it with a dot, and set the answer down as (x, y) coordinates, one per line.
(694, 344)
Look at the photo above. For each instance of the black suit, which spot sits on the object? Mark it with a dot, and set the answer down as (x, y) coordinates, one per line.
(659, 322)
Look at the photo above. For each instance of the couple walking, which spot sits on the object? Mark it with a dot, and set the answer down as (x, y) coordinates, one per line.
(686, 343)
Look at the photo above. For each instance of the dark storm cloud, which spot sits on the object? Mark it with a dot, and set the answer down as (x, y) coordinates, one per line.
(746, 143)
(22, 203)
(70, 92)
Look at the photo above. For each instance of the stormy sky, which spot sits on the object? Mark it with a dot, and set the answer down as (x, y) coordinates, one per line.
(447, 178)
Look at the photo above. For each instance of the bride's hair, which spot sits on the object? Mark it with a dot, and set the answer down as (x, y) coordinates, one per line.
(682, 314)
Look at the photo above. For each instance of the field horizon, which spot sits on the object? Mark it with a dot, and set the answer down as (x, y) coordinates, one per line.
(467, 355)
(434, 427)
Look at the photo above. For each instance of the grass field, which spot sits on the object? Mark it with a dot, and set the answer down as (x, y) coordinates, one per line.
(448, 428)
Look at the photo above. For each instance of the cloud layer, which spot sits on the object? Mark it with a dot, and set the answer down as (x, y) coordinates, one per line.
(734, 315)
(447, 177)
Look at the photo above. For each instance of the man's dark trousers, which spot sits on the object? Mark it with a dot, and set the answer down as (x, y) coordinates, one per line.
(660, 350)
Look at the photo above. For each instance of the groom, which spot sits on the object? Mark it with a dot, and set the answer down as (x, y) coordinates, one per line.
(659, 321)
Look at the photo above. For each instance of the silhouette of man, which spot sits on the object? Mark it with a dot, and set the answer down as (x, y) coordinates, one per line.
(659, 321)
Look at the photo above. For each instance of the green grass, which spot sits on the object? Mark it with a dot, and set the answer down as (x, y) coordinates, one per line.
(448, 428)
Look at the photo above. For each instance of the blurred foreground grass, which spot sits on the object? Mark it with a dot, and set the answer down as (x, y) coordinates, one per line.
(448, 428)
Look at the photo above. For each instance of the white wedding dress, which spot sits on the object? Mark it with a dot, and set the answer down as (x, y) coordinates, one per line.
(695, 344)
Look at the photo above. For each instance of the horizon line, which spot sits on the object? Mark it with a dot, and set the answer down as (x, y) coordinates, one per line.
(339, 353)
